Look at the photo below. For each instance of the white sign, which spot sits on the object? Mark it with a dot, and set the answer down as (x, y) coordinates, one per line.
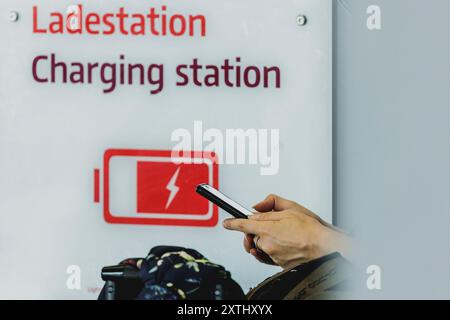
(95, 96)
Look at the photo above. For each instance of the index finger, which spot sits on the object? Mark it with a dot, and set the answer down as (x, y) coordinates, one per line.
(269, 216)
(243, 225)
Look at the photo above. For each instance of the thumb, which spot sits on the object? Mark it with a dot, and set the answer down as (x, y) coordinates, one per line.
(274, 203)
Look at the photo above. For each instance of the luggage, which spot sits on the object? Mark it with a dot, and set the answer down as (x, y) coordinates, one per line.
(174, 273)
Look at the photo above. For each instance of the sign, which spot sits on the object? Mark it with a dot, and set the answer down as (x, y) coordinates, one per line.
(150, 187)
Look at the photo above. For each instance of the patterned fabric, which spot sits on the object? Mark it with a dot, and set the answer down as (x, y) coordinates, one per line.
(176, 273)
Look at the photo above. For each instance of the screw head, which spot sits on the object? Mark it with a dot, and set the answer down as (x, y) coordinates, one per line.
(13, 16)
(301, 20)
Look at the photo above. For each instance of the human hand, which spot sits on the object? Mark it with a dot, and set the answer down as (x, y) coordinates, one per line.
(287, 234)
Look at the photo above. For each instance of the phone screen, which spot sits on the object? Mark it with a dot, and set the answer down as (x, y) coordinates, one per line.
(221, 200)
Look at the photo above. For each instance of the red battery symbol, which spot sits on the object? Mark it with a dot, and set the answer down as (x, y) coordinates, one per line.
(155, 187)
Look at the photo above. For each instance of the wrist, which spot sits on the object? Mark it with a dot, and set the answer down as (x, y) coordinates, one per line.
(335, 241)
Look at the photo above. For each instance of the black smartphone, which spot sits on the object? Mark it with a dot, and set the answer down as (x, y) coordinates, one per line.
(221, 200)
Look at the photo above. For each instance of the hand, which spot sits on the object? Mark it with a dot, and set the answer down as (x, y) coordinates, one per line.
(287, 234)
(250, 247)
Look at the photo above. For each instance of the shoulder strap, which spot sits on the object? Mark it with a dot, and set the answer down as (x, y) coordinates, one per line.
(327, 275)
(254, 290)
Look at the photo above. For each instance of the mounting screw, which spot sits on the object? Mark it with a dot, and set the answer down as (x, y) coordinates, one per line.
(13, 16)
(301, 20)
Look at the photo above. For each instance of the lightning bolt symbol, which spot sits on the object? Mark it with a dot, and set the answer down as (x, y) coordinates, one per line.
(172, 187)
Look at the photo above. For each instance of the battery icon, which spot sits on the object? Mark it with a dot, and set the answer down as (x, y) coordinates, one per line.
(155, 187)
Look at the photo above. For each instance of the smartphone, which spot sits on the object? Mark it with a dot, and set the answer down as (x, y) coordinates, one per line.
(222, 201)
